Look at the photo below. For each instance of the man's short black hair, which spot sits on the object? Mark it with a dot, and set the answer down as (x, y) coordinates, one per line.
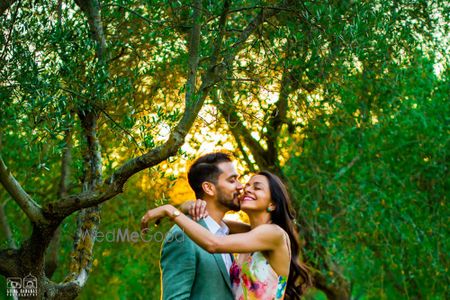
(205, 169)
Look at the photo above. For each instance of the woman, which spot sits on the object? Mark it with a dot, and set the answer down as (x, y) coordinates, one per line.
(268, 266)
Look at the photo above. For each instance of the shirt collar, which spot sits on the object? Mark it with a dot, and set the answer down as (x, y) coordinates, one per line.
(216, 228)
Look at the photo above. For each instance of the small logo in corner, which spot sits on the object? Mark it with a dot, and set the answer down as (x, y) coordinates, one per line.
(21, 287)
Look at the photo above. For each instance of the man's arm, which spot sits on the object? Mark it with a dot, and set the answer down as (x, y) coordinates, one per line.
(177, 266)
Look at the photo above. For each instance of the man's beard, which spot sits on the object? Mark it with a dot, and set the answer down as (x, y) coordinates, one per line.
(229, 203)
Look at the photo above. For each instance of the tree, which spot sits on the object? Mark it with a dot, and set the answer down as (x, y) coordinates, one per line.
(66, 82)
(337, 82)
(334, 97)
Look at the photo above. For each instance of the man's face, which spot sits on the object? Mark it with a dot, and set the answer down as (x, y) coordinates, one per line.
(228, 186)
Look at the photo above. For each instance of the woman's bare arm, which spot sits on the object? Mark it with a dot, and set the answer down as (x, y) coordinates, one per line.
(236, 226)
(265, 237)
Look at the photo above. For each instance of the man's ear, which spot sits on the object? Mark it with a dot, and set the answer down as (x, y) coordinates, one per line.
(209, 188)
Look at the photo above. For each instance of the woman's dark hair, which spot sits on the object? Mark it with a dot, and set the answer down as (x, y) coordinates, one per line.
(283, 215)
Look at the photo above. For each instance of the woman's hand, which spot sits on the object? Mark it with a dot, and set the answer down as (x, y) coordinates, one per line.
(154, 215)
(197, 210)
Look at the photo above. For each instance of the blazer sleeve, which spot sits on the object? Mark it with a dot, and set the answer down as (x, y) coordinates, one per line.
(178, 266)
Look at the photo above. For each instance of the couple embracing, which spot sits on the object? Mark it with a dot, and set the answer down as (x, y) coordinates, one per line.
(197, 259)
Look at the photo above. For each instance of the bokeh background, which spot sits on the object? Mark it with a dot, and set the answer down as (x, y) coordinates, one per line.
(348, 101)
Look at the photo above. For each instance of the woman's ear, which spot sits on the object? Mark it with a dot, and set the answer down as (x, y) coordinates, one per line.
(271, 207)
(209, 188)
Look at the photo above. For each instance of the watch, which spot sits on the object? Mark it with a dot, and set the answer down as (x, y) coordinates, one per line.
(175, 214)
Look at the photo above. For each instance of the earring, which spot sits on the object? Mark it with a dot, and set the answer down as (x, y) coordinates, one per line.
(268, 209)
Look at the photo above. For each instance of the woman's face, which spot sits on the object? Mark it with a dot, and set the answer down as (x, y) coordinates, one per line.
(256, 195)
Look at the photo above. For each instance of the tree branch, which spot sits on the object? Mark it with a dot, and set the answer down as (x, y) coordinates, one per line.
(194, 101)
(194, 45)
(114, 184)
(5, 4)
(8, 262)
(127, 132)
(278, 116)
(82, 255)
(92, 157)
(91, 8)
(51, 263)
(250, 165)
(234, 131)
(5, 227)
(238, 130)
(69, 290)
(134, 13)
(66, 160)
(26, 203)
(236, 126)
(89, 218)
(248, 31)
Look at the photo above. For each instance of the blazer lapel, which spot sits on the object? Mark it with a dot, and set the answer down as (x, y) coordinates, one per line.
(223, 269)
(219, 261)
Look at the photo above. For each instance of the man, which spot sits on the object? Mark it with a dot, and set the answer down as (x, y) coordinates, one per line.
(188, 271)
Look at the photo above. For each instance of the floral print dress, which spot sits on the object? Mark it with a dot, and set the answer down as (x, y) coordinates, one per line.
(254, 278)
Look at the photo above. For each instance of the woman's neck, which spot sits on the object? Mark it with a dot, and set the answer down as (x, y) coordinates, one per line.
(257, 219)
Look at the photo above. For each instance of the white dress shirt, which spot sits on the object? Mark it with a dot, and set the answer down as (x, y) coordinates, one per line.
(219, 230)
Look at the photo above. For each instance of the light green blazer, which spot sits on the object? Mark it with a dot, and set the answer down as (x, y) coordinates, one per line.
(189, 272)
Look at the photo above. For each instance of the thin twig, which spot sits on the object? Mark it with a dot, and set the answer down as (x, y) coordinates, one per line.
(2, 58)
(135, 13)
(123, 129)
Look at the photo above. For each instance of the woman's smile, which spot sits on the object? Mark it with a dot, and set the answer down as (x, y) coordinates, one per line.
(247, 198)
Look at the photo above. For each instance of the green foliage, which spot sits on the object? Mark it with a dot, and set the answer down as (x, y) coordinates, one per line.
(376, 187)
(123, 269)
(364, 142)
